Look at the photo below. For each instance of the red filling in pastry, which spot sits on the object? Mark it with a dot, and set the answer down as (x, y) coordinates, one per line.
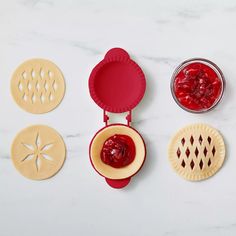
(118, 151)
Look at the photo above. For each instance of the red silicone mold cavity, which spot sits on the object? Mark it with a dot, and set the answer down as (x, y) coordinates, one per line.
(117, 84)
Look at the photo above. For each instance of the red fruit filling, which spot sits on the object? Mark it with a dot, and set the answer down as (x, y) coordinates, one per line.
(197, 87)
(118, 151)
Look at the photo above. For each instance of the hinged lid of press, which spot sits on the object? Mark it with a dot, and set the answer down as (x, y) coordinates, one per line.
(117, 84)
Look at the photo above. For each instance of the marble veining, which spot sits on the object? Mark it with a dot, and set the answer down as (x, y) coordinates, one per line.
(159, 35)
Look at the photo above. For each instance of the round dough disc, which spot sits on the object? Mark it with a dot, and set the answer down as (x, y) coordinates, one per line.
(111, 172)
(197, 152)
(38, 152)
(38, 86)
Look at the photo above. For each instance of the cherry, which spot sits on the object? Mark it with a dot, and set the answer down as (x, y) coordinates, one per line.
(118, 151)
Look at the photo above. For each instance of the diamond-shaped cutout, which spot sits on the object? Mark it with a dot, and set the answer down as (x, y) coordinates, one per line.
(24, 97)
(24, 75)
(20, 86)
(209, 162)
(37, 86)
(192, 164)
(183, 163)
(41, 73)
(196, 152)
(213, 151)
(46, 86)
(200, 139)
(29, 86)
(191, 140)
(183, 141)
(187, 152)
(42, 98)
(33, 98)
(205, 152)
(33, 73)
(51, 97)
(209, 140)
(201, 164)
(55, 86)
(178, 153)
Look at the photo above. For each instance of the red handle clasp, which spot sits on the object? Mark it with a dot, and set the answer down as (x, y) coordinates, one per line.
(106, 117)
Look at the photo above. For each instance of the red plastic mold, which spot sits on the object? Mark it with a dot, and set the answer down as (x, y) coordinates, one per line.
(117, 84)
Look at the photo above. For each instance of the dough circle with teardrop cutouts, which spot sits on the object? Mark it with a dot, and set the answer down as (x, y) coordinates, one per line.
(38, 86)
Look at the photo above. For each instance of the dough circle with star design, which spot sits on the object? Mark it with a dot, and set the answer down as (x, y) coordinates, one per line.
(38, 152)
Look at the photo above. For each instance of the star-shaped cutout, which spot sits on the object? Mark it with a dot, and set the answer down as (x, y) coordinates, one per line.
(37, 151)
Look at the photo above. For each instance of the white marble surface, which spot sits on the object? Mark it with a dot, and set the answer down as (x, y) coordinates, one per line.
(158, 35)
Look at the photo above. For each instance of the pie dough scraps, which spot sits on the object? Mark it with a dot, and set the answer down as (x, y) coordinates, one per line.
(38, 86)
(107, 170)
(197, 152)
(38, 152)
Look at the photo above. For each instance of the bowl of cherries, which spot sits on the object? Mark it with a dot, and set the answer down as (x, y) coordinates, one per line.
(197, 85)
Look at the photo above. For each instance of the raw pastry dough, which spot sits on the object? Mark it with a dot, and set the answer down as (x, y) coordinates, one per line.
(111, 172)
(38, 86)
(197, 152)
(38, 152)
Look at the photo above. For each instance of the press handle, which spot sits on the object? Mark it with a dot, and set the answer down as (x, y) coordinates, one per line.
(117, 52)
(106, 117)
(118, 183)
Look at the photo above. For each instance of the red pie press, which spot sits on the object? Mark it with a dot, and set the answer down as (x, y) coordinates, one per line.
(117, 151)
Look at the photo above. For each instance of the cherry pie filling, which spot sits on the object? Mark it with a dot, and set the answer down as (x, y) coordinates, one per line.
(118, 151)
(197, 87)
